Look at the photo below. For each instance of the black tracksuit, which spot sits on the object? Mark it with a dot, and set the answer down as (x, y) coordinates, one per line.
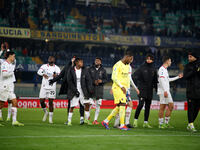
(86, 83)
(64, 86)
(191, 74)
(146, 79)
(95, 75)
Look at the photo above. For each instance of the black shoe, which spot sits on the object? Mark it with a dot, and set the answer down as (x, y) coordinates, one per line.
(81, 121)
(129, 126)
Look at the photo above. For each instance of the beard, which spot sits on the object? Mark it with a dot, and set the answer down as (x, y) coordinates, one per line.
(51, 63)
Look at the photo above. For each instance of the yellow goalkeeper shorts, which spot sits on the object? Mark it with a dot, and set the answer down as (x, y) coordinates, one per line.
(119, 96)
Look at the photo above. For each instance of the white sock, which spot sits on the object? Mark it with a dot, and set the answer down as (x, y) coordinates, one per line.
(161, 121)
(191, 125)
(81, 118)
(97, 112)
(45, 110)
(106, 121)
(128, 115)
(70, 116)
(14, 114)
(167, 120)
(145, 121)
(117, 118)
(50, 116)
(0, 113)
(87, 115)
(9, 110)
(121, 125)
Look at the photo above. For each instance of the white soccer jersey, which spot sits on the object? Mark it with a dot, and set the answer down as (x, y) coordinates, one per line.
(131, 80)
(49, 71)
(163, 80)
(78, 78)
(7, 77)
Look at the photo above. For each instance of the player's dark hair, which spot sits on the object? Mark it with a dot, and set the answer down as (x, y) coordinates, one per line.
(99, 58)
(165, 58)
(77, 60)
(128, 53)
(151, 56)
(8, 53)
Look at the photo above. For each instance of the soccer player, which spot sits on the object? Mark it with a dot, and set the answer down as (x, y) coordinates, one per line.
(121, 82)
(7, 80)
(164, 93)
(191, 74)
(48, 72)
(146, 79)
(79, 89)
(4, 46)
(99, 78)
(129, 103)
(64, 87)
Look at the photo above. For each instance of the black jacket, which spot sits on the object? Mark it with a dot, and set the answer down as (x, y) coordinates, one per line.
(191, 74)
(95, 75)
(86, 83)
(146, 79)
(63, 76)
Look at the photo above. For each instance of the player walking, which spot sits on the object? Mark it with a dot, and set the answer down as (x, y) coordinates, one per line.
(48, 72)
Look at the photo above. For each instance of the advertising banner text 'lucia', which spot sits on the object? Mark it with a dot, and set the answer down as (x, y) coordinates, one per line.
(14, 32)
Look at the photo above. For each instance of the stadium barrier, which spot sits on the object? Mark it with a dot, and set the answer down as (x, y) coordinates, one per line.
(106, 104)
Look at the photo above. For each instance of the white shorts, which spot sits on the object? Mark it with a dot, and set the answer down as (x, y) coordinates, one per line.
(75, 101)
(47, 94)
(164, 100)
(7, 95)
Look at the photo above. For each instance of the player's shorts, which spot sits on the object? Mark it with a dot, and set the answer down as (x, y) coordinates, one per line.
(47, 94)
(7, 92)
(7, 95)
(128, 96)
(75, 101)
(164, 100)
(119, 96)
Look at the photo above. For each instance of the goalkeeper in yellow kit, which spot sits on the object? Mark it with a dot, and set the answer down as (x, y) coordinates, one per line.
(121, 82)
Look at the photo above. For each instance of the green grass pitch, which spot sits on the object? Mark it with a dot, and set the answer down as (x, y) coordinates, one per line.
(38, 135)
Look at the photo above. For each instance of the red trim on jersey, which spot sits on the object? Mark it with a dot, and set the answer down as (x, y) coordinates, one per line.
(7, 62)
(4, 70)
(162, 77)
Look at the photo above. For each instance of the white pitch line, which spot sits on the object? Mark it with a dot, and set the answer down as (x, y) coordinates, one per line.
(137, 129)
(85, 136)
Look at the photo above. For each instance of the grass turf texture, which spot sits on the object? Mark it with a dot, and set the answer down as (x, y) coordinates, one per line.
(36, 135)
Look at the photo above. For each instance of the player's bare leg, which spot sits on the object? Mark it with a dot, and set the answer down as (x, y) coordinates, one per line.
(14, 113)
(51, 110)
(161, 115)
(43, 105)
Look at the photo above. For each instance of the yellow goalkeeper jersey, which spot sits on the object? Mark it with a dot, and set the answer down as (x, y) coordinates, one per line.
(120, 75)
